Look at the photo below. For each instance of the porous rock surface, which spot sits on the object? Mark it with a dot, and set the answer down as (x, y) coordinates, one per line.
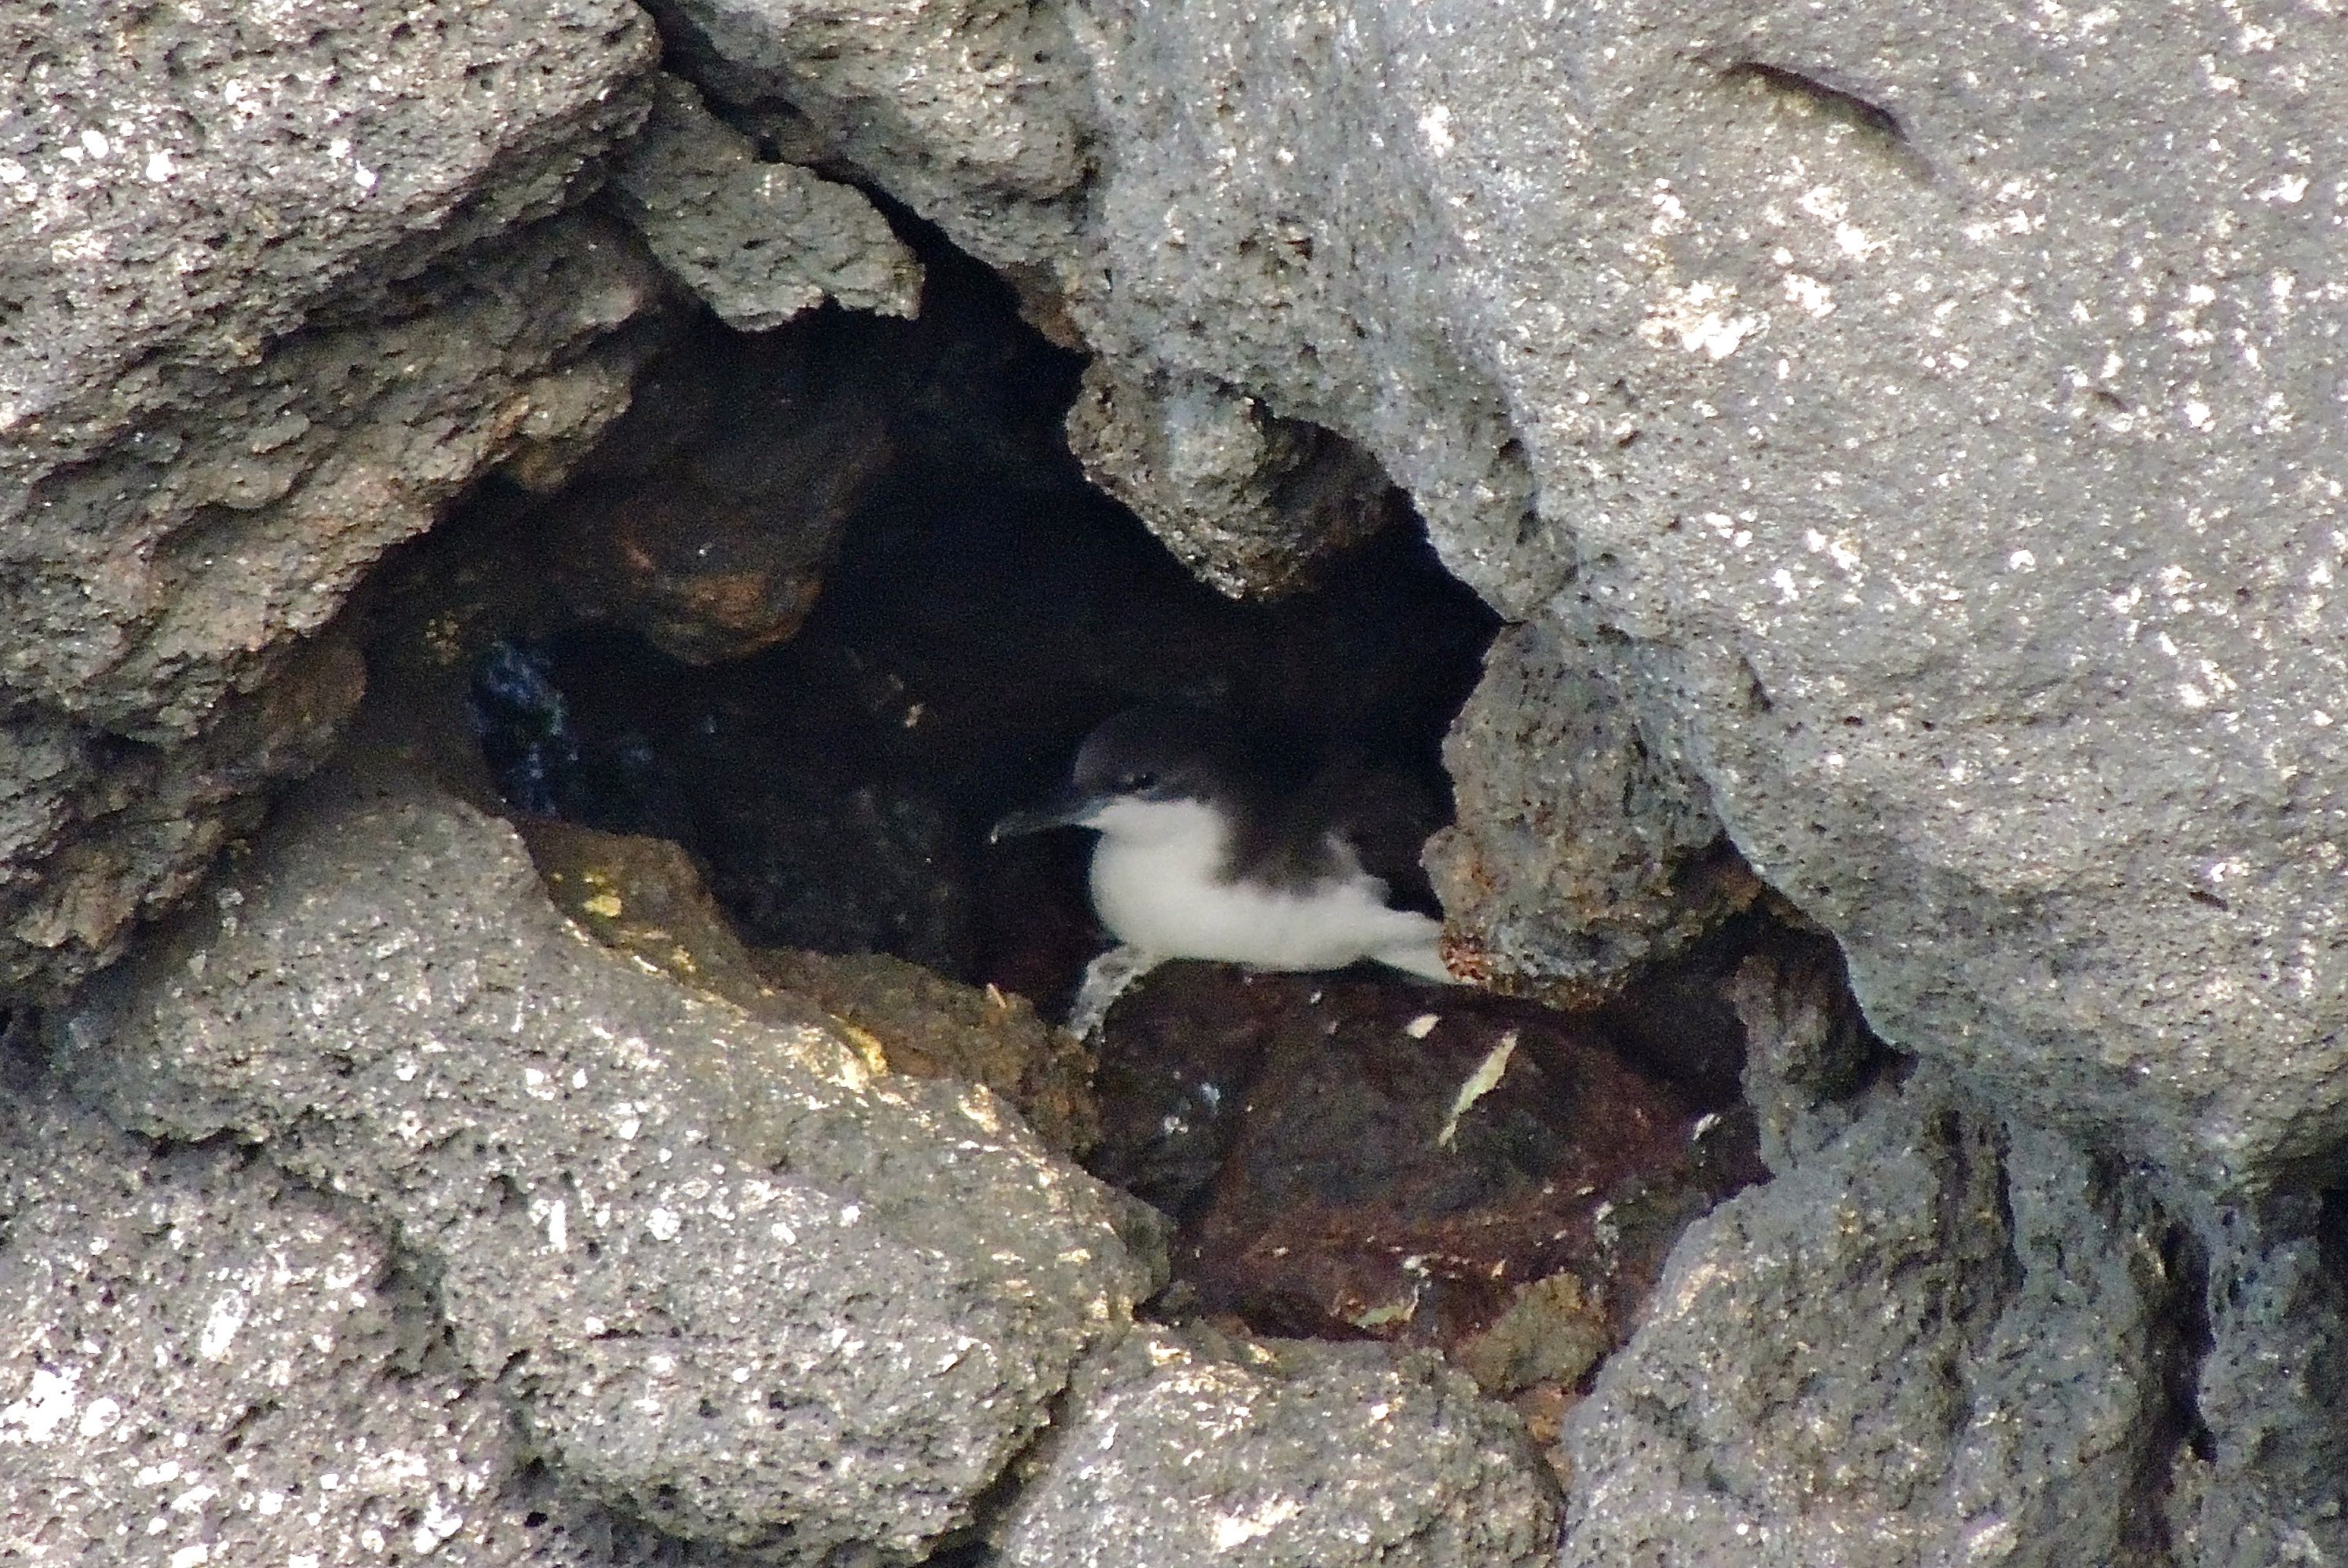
(1930, 408)
(1933, 1341)
(1932, 412)
(758, 242)
(1250, 503)
(1581, 855)
(250, 339)
(1319, 1455)
(209, 1363)
(728, 1282)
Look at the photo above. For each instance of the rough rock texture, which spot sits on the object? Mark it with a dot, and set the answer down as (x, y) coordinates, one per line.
(196, 191)
(2269, 1480)
(98, 828)
(207, 1363)
(1939, 1340)
(1190, 1449)
(760, 243)
(971, 112)
(924, 1024)
(1580, 856)
(646, 897)
(1250, 503)
(729, 1282)
(1953, 450)
(243, 349)
(174, 577)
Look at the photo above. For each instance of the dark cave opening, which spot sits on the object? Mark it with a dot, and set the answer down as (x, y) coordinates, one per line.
(979, 610)
(826, 602)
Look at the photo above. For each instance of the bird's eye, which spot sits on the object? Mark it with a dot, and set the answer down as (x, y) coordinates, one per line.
(1135, 783)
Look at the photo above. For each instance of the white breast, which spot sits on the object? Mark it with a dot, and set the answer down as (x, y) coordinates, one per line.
(1157, 885)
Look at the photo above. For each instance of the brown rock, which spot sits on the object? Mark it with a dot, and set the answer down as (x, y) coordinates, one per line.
(1361, 1158)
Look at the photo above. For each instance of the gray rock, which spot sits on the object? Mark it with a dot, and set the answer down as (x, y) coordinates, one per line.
(1252, 504)
(200, 184)
(760, 243)
(205, 1363)
(1937, 1341)
(227, 528)
(731, 1282)
(96, 831)
(961, 108)
(1952, 453)
(165, 643)
(1190, 1448)
(2272, 1383)
(1580, 852)
(1808, 1057)
(241, 353)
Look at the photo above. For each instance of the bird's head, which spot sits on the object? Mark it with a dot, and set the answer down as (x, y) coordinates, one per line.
(1146, 773)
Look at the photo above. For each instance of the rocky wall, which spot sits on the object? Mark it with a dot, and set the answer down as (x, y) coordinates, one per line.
(1908, 438)
(1931, 415)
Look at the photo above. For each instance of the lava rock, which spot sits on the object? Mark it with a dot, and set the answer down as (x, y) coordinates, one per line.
(1581, 855)
(646, 897)
(1252, 504)
(1716, 353)
(1354, 1157)
(729, 1282)
(707, 515)
(208, 1362)
(1326, 1455)
(197, 218)
(758, 242)
(923, 1023)
(1941, 1333)
(267, 501)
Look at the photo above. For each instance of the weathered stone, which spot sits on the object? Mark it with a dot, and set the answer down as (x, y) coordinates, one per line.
(1252, 504)
(1935, 1341)
(1322, 1456)
(2266, 1480)
(760, 243)
(965, 108)
(1808, 1051)
(201, 183)
(206, 1363)
(1358, 1157)
(730, 1282)
(244, 349)
(1582, 853)
(182, 566)
(101, 831)
(167, 650)
(707, 517)
(923, 1023)
(1766, 310)
(646, 897)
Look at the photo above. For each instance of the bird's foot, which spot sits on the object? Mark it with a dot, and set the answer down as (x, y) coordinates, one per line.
(1106, 979)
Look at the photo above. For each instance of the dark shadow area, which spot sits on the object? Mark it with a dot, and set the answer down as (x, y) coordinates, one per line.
(943, 624)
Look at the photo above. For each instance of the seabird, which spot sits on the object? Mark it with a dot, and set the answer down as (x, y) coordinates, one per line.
(1206, 851)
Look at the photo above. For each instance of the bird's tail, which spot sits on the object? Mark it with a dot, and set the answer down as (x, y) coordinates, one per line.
(1418, 949)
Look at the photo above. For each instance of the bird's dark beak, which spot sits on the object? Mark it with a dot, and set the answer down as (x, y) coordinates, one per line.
(1066, 809)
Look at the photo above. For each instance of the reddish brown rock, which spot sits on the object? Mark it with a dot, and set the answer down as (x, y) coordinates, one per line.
(1364, 1158)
